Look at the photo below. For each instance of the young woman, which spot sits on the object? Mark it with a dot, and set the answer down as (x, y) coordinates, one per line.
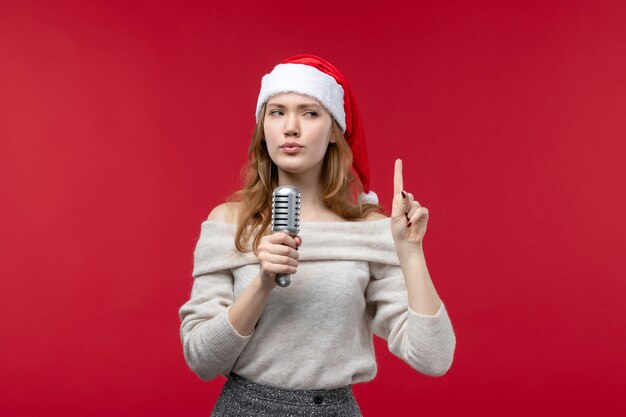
(297, 350)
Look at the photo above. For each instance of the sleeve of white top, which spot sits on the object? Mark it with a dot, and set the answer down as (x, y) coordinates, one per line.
(211, 345)
(426, 342)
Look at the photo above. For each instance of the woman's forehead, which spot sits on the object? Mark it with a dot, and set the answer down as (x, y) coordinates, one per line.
(292, 97)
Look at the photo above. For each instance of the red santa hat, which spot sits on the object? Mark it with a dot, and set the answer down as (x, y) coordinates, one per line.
(315, 77)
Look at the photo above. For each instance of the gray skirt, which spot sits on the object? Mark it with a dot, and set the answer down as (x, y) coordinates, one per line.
(242, 397)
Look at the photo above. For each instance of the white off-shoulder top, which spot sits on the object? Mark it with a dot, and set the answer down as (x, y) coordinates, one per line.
(317, 332)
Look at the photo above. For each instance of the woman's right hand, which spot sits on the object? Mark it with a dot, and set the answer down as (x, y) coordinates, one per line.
(278, 254)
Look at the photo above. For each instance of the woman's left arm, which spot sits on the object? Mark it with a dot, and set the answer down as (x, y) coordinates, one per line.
(408, 227)
(423, 298)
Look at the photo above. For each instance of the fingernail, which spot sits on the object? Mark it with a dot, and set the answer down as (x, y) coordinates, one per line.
(409, 225)
(403, 195)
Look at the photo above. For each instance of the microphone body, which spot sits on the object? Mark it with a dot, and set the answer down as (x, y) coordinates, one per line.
(285, 218)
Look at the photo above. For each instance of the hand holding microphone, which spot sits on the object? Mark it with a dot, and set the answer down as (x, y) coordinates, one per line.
(278, 254)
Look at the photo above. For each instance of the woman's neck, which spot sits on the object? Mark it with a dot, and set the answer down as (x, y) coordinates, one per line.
(311, 205)
(313, 209)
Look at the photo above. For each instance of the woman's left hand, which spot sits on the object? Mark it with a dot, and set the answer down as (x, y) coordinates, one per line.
(408, 218)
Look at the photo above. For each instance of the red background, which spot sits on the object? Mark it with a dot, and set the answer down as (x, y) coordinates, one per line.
(123, 123)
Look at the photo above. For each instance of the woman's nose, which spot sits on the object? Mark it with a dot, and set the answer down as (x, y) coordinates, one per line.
(291, 126)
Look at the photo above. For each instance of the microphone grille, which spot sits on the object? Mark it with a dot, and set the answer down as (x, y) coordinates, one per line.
(286, 209)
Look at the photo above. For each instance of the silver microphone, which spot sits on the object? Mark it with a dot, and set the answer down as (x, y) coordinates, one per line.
(285, 218)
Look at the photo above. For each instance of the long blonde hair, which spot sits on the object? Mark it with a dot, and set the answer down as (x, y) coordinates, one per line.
(340, 186)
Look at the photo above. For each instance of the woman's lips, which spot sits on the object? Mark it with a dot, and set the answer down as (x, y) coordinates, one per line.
(291, 149)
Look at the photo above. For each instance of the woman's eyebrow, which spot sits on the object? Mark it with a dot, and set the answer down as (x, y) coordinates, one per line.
(299, 106)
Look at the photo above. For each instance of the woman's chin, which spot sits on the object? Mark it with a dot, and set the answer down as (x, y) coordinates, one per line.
(293, 168)
(295, 165)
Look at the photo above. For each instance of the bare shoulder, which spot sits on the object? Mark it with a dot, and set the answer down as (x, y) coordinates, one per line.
(225, 213)
(374, 216)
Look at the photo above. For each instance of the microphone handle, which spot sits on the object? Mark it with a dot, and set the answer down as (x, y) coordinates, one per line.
(283, 280)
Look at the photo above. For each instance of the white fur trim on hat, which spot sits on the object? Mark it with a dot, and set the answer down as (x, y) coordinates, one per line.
(307, 80)
(370, 197)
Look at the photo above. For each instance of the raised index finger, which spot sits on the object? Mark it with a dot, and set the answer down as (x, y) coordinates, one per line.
(397, 177)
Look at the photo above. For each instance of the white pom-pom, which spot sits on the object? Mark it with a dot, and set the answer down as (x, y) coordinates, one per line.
(370, 197)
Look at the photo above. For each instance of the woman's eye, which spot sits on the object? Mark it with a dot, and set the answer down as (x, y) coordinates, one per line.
(277, 112)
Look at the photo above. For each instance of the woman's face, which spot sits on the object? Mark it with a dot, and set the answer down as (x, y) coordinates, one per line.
(303, 122)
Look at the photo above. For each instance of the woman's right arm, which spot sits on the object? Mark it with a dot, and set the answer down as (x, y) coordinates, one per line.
(215, 327)
(277, 255)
